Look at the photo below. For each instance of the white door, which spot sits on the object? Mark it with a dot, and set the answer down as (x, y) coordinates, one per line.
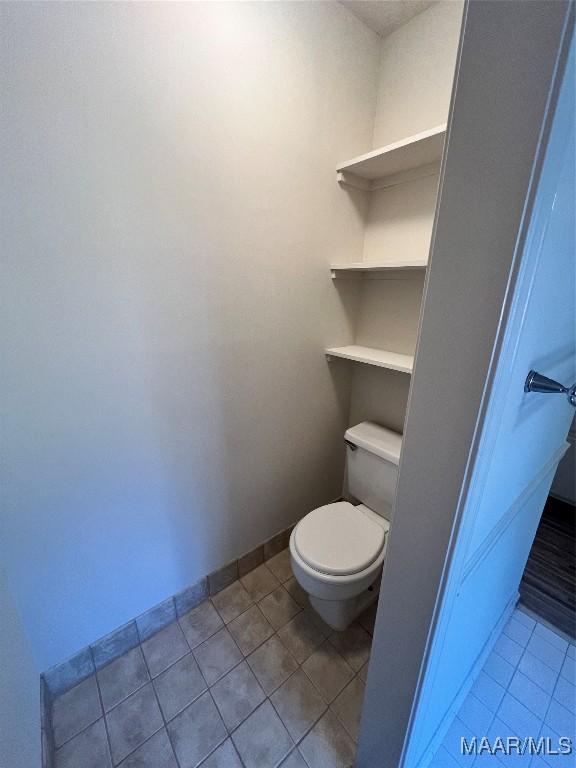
(523, 439)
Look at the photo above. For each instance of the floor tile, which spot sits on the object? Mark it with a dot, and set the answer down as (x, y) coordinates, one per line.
(546, 652)
(75, 710)
(348, 707)
(523, 618)
(557, 760)
(132, 722)
(452, 742)
(157, 752)
(442, 759)
(178, 686)
(518, 631)
(325, 628)
(223, 757)
(298, 703)
(539, 672)
(328, 671)
(164, 648)
(217, 655)
(551, 637)
(498, 729)
(259, 582)
(363, 674)
(232, 601)
(200, 623)
(569, 669)
(294, 760)
(328, 745)
(565, 693)
(89, 749)
(521, 721)
(499, 669)
(237, 695)
(262, 740)
(302, 635)
(250, 630)
(488, 691)
(475, 714)
(509, 649)
(272, 663)
(280, 565)
(529, 694)
(296, 592)
(561, 720)
(367, 619)
(278, 607)
(353, 645)
(196, 731)
(122, 677)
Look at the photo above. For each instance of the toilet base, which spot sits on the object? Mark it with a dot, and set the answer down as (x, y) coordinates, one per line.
(339, 614)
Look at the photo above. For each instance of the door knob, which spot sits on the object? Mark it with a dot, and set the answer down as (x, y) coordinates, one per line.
(535, 382)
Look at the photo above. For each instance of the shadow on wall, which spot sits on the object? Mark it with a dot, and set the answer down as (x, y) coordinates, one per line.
(171, 218)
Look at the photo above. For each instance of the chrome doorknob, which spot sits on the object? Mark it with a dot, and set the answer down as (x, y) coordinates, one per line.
(535, 382)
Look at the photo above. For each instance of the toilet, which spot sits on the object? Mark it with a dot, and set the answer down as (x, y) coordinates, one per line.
(337, 550)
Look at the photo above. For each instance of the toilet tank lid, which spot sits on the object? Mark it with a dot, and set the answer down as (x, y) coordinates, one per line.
(377, 440)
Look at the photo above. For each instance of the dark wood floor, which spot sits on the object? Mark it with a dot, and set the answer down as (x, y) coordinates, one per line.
(548, 586)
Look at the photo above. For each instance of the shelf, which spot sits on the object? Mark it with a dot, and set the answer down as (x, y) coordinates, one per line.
(371, 268)
(379, 357)
(405, 160)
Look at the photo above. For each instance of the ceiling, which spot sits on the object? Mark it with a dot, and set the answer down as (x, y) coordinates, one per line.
(384, 16)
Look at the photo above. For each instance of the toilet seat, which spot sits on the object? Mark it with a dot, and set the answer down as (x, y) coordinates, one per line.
(338, 539)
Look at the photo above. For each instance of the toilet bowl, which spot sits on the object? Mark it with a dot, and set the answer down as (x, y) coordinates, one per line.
(337, 550)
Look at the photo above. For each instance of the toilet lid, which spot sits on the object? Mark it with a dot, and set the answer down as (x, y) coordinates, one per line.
(338, 539)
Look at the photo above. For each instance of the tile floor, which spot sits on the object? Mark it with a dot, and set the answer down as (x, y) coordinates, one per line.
(525, 689)
(249, 679)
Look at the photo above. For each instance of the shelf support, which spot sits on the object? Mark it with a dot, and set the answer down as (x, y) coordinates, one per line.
(346, 179)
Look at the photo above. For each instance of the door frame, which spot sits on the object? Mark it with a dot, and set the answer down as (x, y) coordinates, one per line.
(500, 118)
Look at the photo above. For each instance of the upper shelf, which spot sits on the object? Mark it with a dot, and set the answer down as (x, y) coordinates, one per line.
(376, 269)
(378, 357)
(401, 161)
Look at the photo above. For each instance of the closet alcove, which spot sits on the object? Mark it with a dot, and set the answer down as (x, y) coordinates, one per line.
(400, 183)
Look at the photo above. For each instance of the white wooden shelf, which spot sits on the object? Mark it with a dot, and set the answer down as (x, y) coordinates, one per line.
(370, 356)
(405, 160)
(371, 268)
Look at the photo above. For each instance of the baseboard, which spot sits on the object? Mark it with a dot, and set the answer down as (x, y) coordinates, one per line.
(64, 676)
(454, 708)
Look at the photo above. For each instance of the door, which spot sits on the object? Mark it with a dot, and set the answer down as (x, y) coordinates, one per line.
(479, 453)
(523, 439)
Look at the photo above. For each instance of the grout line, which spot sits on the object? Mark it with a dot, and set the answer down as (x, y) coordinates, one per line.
(559, 675)
(156, 692)
(208, 689)
(102, 708)
(164, 726)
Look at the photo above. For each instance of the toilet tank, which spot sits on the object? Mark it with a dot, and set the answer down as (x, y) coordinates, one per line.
(372, 459)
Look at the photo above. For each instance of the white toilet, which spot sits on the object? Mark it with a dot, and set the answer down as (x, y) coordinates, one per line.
(337, 550)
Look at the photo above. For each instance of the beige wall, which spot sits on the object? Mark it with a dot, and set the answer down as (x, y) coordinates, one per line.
(416, 73)
(170, 212)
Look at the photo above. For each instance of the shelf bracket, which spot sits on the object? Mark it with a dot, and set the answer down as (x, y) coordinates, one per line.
(346, 179)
